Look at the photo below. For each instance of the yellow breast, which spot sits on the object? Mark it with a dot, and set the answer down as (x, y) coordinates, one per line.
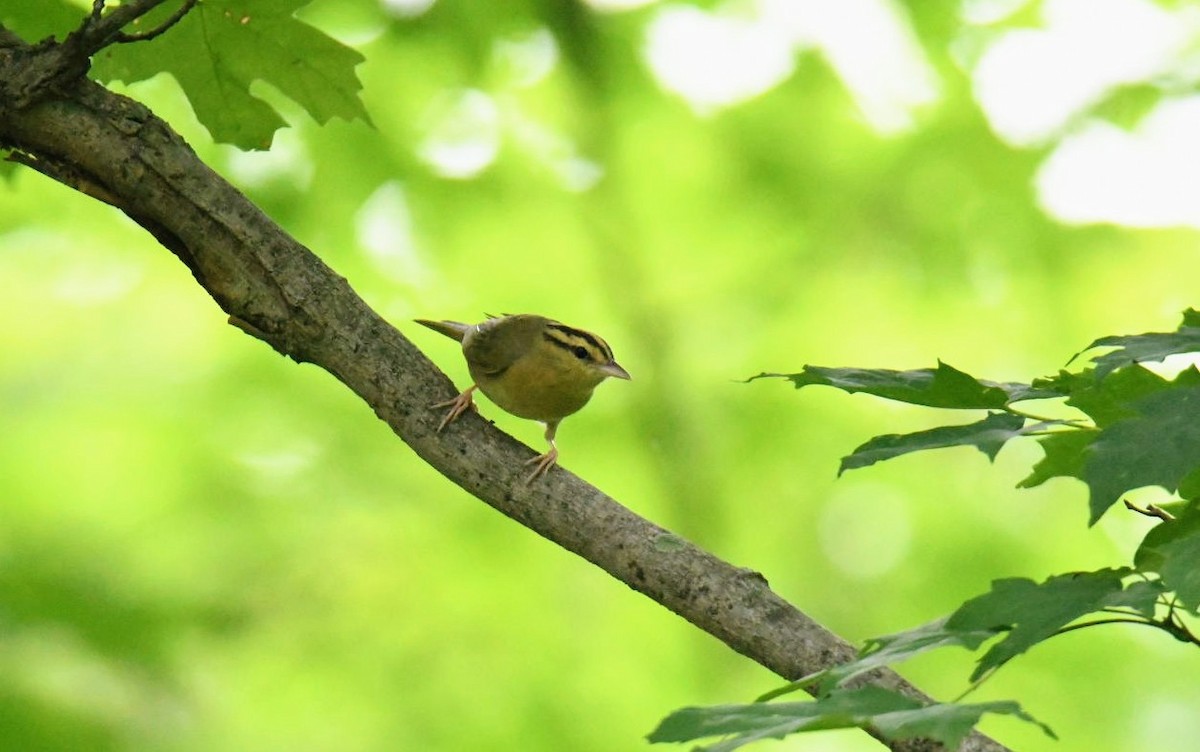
(537, 389)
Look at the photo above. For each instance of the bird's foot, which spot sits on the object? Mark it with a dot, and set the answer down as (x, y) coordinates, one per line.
(542, 463)
(458, 406)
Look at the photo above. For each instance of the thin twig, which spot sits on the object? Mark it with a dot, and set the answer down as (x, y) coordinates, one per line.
(100, 30)
(1150, 510)
(123, 38)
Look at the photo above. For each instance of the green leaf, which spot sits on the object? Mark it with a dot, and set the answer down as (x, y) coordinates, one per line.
(987, 435)
(884, 651)
(1151, 346)
(1111, 399)
(1159, 447)
(1172, 549)
(944, 386)
(1033, 612)
(1149, 437)
(1140, 596)
(1065, 453)
(756, 721)
(34, 21)
(891, 714)
(948, 723)
(1189, 488)
(223, 46)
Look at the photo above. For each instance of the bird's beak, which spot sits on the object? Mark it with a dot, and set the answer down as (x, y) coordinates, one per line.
(614, 370)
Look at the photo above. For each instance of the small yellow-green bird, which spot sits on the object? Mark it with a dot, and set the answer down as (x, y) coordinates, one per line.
(532, 367)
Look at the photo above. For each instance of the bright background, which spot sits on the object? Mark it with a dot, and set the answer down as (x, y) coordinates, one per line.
(204, 546)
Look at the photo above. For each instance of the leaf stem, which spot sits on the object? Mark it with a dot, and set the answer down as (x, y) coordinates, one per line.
(1114, 620)
(976, 684)
(1077, 423)
(1174, 625)
(795, 686)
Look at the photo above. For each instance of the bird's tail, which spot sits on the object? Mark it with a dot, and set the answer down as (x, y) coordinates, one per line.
(452, 329)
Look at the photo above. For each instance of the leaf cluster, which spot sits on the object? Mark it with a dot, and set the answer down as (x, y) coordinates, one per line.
(889, 714)
(1137, 428)
(217, 50)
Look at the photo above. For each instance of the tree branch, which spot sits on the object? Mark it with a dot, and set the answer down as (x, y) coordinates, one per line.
(278, 291)
(102, 29)
(32, 72)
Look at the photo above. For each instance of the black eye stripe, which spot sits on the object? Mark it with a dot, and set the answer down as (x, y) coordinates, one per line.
(557, 341)
(597, 344)
(580, 348)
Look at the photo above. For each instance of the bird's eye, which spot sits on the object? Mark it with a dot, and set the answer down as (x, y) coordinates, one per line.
(580, 352)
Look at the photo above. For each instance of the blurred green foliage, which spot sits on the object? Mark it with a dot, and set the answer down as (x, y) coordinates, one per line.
(205, 546)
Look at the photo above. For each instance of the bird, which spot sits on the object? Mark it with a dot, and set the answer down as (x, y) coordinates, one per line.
(532, 367)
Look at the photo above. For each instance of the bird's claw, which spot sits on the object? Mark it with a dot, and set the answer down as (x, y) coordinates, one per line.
(458, 406)
(542, 463)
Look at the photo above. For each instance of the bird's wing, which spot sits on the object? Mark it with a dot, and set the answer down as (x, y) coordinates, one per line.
(496, 344)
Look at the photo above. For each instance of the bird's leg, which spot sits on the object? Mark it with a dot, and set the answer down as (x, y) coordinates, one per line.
(544, 462)
(458, 406)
